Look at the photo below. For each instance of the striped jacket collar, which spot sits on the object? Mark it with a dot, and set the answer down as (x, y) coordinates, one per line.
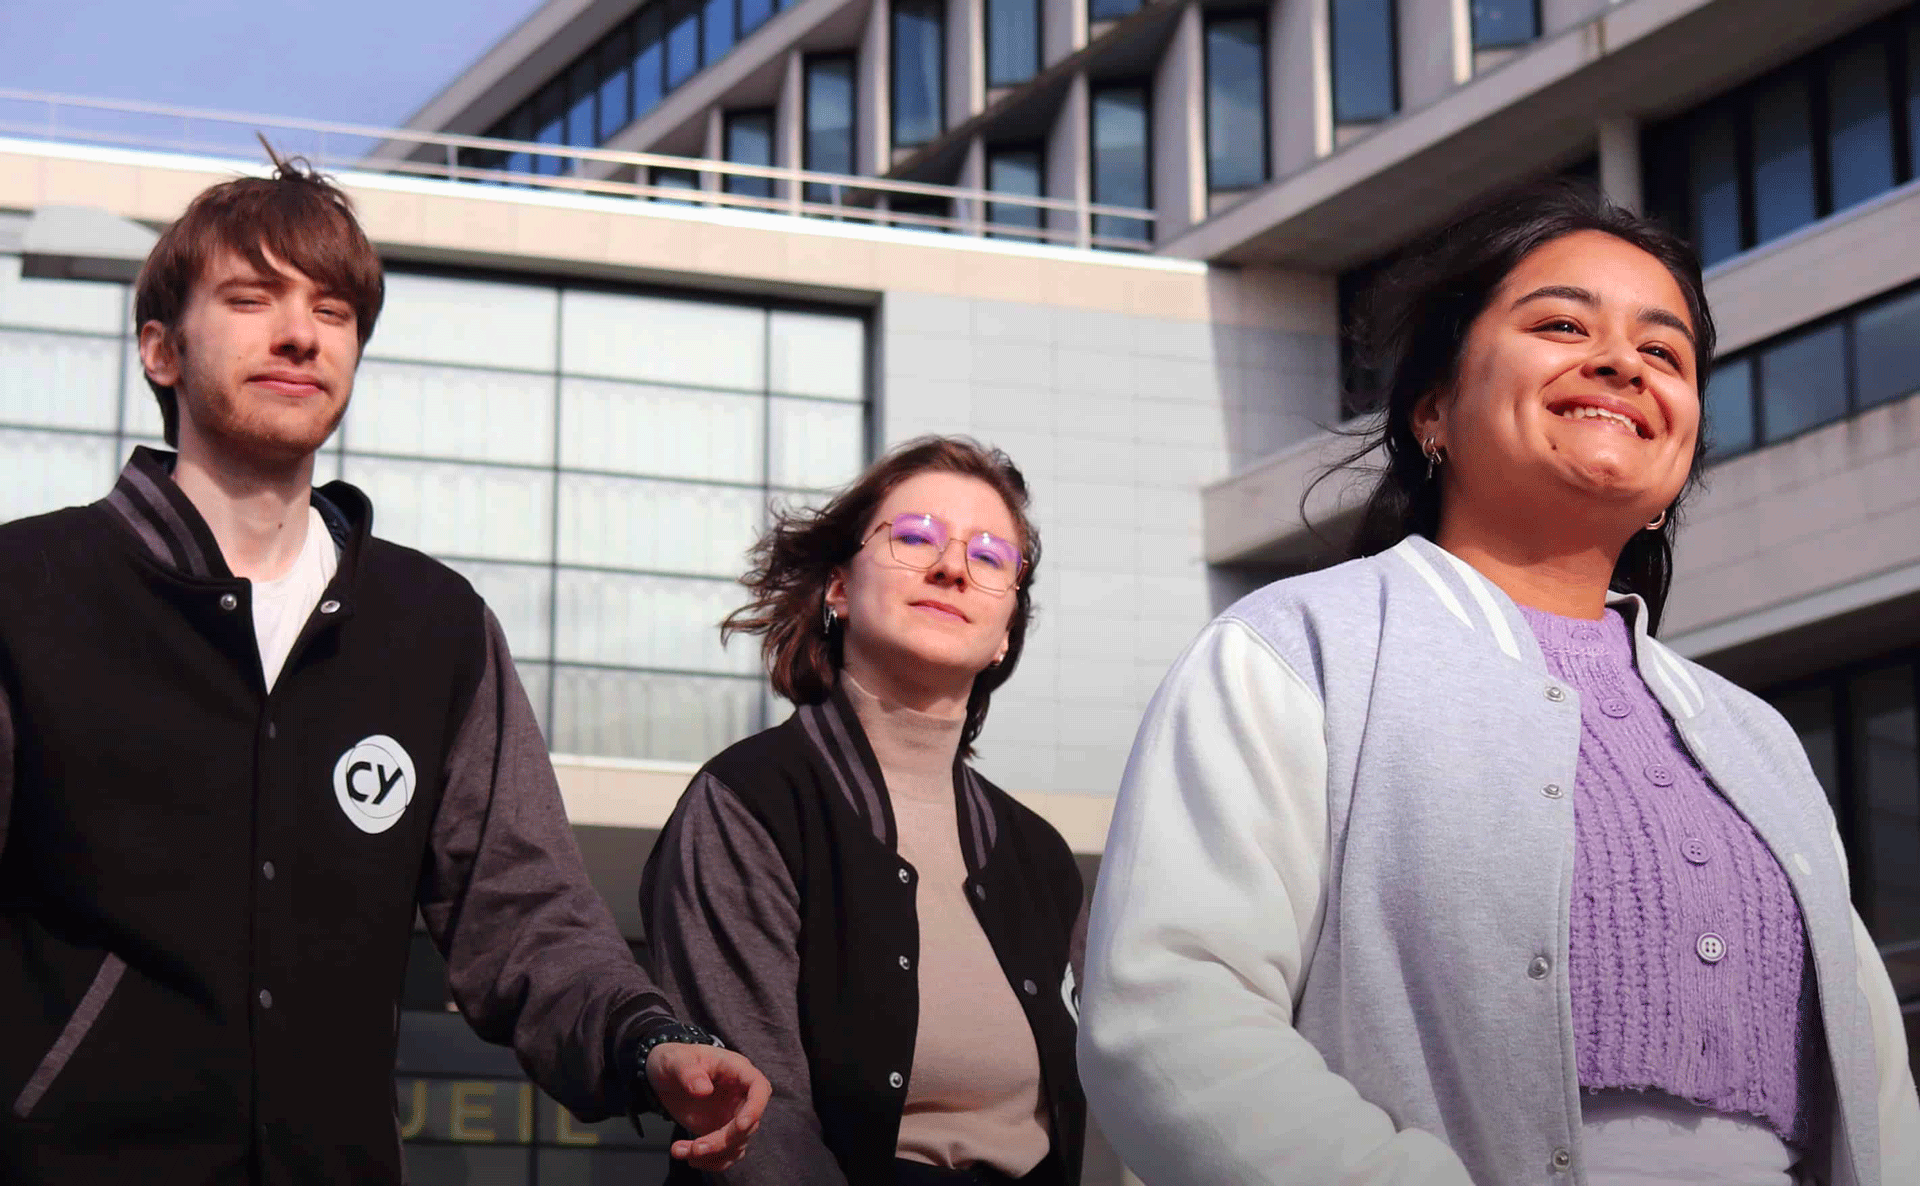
(834, 732)
(172, 532)
(1482, 607)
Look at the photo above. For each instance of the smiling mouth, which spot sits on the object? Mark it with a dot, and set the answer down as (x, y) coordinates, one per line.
(286, 386)
(1589, 412)
(942, 610)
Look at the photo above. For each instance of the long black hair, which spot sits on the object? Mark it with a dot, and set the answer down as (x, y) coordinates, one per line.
(1413, 330)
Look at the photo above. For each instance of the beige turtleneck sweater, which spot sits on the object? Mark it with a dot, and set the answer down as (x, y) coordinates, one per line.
(974, 1095)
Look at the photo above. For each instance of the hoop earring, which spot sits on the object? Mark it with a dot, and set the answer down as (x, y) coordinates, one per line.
(1660, 522)
(1434, 457)
(827, 619)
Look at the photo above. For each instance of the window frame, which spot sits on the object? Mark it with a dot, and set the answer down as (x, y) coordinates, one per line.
(1210, 18)
(1473, 32)
(893, 75)
(986, 43)
(1038, 149)
(807, 63)
(1393, 64)
(1144, 85)
(728, 119)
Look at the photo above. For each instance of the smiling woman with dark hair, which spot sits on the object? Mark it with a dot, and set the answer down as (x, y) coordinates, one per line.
(1476, 881)
(842, 897)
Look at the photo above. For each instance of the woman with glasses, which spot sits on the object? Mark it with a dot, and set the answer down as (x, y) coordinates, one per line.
(842, 898)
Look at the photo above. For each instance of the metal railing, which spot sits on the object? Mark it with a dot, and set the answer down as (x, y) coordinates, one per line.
(336, 147)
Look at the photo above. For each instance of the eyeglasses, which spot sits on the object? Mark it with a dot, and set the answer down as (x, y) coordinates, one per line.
(920, 540)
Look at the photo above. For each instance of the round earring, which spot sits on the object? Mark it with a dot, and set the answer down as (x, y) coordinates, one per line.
(1434, 457)
(827, 619)
(1658, 523)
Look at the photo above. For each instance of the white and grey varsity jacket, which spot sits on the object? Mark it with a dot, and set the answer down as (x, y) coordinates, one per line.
(1335, 868)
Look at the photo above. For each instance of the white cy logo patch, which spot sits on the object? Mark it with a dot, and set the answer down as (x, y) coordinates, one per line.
(1070, 994)
(374, 783)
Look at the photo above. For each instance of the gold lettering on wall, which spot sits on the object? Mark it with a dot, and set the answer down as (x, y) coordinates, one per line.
(526, 1113)
(567, 1134)
(466, 1108)
(416, 1120)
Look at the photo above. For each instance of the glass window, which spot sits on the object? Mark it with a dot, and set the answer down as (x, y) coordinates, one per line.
(1803, 381)
(1501, 23)
(1859, 123)
(683, 41)
(583, 88)
(634, 620)
(1120, 161)
(749, 141)
(663, 340)
(1886, 350)
(1236, 102)
(644, 714)
(60, 380)
(1913, 91)
(1783, 193)
(649, 60)
(917, 206)
(1013, 41)
(50, 470)
(1111, 10)
(1729, 408)
(919, 70)
(469, 413)
(815, 444)
(1888, 777)
(818, 354)
(616, 83)
(753, 14)
(828, 136)
(86, 305)
(1714, 186)
(1366, 82)
(519, 126)
(658, 526)
(717, 30)
(675, 179)
(1016, 171)
(549, 118)
(521, 596)
(1810, 712)
(667, 432)
(487, 512)
(469, 322)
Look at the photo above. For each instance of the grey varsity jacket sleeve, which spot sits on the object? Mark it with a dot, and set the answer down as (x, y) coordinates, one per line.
(723, 931)
(533, 956)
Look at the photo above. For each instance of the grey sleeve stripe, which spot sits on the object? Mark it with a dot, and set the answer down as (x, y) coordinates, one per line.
(104, 982)
(122, 502)
(852, 752)
(189, 547)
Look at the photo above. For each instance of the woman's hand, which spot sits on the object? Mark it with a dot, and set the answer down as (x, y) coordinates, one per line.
(715, 1094)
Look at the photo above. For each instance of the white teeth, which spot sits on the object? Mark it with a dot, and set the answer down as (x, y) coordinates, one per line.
(1586, 412)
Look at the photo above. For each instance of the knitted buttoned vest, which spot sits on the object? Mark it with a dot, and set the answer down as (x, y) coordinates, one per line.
(1687, 954)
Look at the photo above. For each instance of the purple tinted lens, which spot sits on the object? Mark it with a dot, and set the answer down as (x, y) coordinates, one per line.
(994, 555)
(919, 531)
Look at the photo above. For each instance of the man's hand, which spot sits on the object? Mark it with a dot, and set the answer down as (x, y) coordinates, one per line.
(715, 1094)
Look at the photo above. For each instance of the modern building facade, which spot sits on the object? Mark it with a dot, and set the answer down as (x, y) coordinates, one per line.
(656, 266)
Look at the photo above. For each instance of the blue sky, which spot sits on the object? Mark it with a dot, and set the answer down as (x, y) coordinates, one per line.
(355, 61)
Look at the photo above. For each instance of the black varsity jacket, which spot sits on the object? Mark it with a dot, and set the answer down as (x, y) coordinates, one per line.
(207, 889)
(780, 916)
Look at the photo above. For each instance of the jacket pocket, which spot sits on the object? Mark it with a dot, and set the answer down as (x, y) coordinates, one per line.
(75, 1031)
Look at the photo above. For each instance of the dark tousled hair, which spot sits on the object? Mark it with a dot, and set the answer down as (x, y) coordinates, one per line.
(793, 563)
(298, 215)
(1413, 330)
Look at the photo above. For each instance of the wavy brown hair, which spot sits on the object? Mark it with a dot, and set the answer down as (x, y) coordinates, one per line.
(793, 563)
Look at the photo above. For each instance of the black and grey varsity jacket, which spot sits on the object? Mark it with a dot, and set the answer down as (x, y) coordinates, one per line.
(207, 889)
(780, 915)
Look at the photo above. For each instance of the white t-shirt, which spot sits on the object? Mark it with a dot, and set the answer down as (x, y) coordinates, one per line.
(1650, 1138)
(281, 607)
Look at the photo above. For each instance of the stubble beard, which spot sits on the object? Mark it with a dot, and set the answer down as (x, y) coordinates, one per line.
(249, 431)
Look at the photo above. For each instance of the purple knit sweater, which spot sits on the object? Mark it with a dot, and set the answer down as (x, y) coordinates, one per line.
(1687, 957)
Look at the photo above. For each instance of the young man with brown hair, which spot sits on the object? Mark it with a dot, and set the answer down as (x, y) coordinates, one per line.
(242, 740)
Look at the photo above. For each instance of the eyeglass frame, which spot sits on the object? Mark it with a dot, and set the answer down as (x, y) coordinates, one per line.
(966, 559)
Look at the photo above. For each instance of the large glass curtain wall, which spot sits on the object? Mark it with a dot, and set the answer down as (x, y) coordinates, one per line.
(919, 71)
(1236, 74)
(623, 76)
(1860, 730)
(1122, 157)
(1366, 73)
(596, 462)
(1821, 134)
(1815, 374)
